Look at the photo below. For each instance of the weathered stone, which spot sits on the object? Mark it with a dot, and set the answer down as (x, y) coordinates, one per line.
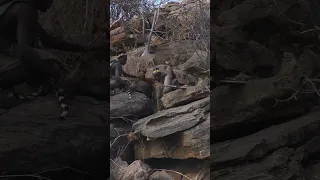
(181, 97)
(271, 167)
(259, 144)
(183, 77)
(191, 143)
(199, 61)
(34, 139)
(233, 106)
(172, 120)
(137, 170)
(117, 168)
(190, 168)
(122, 106)
(160, 175)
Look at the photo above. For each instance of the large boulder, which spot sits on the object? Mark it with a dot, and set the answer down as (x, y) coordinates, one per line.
(275, 166)
(270, 149)
(121, 170)
(188, 125)
(164, 123)
(199, 61)
(258, 145)
(183, 77)
(160, 175)
(123, 107)
(190, 94)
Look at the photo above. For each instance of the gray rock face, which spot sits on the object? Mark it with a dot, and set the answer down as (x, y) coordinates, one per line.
(160, 175)
(259, 170)
(236, 106)
(34, 139)
(259, 144)
(262, 150)
(199, 61)
(172, 120)
(122, 106)
(190, 94)
(179, 133)
(120, 170)
(184, 77)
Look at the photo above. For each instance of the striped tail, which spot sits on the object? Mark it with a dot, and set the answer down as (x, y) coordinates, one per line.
(129, 94)
(63, 106)
(41, 90)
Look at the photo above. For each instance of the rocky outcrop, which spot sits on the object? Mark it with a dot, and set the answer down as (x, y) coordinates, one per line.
(187, 126)
(268, 149)
(122, 106)
(265, 102)
(120, 170)
(199, 61)
(181, 97)
(235, 107)
(34, 139)
(181, 131)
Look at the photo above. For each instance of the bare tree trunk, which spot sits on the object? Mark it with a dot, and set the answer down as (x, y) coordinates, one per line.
(143, 27)
(155, 18)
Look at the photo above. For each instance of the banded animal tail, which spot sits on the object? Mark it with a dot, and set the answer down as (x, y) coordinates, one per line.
(129, 94)
(60, 94)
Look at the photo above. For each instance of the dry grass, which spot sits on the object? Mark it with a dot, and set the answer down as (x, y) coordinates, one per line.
(75, 21)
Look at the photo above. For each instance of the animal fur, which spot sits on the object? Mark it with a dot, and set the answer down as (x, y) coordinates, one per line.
(167, 81)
